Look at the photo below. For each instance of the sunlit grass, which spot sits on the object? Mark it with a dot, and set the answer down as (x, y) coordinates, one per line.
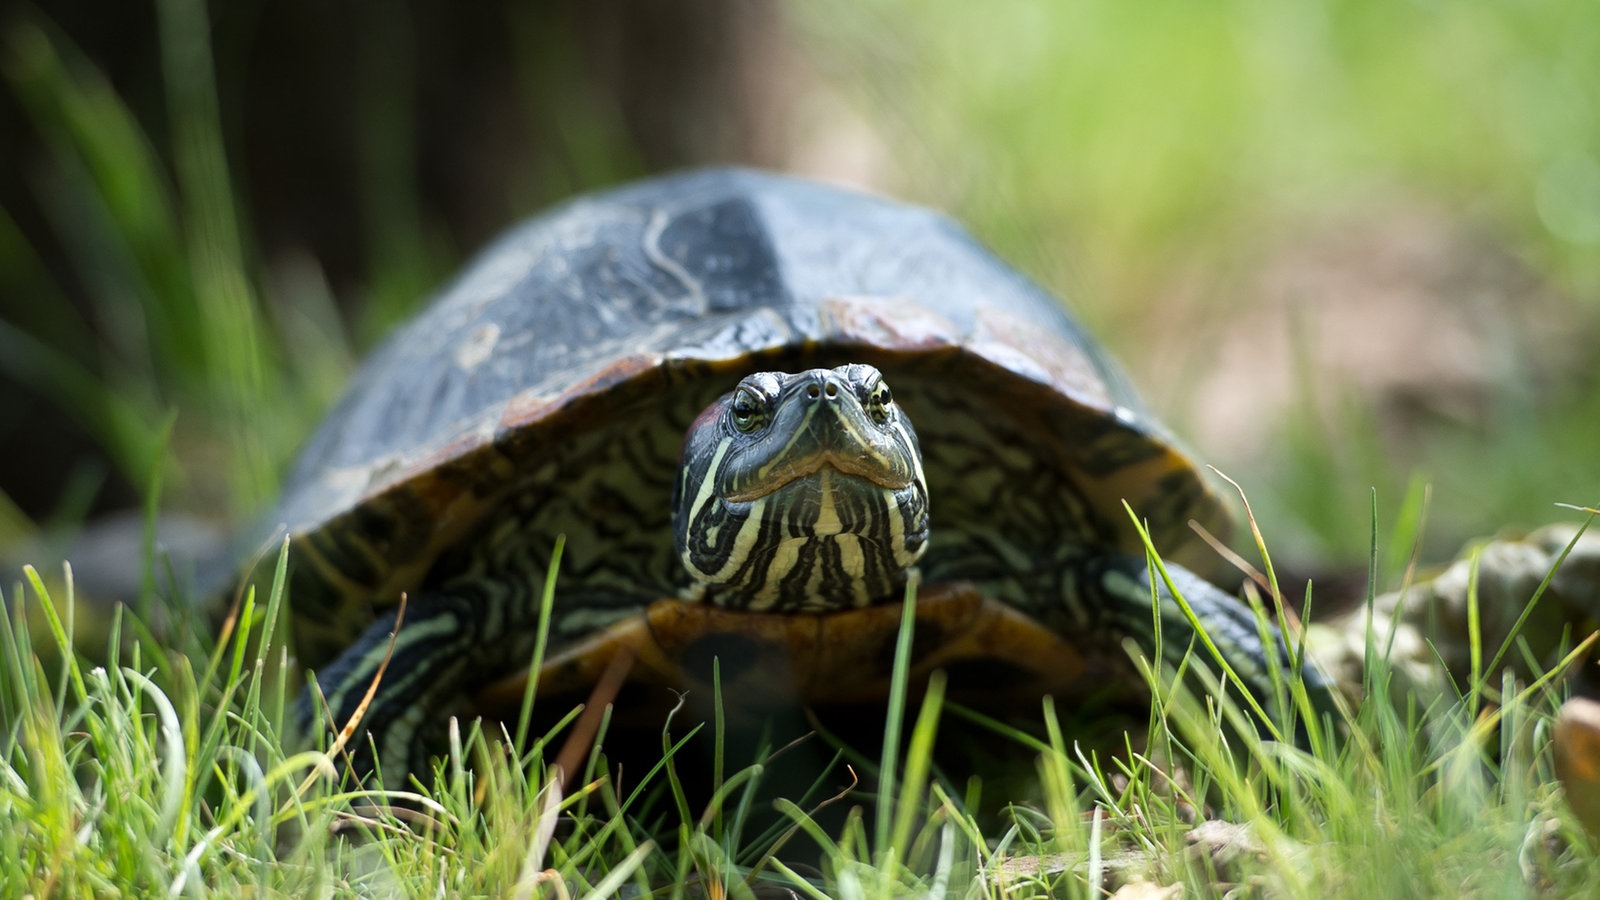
(162, 772)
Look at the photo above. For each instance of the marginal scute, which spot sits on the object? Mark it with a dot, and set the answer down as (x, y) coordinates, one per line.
(531, 408)
(1020, 345)
(901, 324)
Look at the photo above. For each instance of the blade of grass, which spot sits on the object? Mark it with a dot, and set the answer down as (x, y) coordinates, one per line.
(894, 717)
(542, 638)
(913, 785)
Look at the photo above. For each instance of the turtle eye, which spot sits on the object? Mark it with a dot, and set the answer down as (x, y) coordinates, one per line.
(879, 399)
(746, 411)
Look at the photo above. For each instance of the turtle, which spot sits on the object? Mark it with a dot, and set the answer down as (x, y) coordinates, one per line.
(761, 414)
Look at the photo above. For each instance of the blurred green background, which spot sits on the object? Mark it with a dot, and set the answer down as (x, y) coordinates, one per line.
(1346, 248)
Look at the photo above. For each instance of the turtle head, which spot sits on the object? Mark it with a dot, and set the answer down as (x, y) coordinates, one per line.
(801, 492)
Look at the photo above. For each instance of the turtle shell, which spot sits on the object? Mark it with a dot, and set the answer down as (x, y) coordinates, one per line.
(584, 341)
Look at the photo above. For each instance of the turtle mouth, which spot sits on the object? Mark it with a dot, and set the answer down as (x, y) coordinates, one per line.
(778, 475)
(820, 422)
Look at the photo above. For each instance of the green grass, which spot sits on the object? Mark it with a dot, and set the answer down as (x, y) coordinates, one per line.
(166, 772)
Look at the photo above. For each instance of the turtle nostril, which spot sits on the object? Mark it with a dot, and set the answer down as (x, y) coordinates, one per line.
(812, 392)
(832, 389)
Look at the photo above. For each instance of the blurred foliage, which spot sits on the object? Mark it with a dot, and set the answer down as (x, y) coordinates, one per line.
(175, 320)
(1148, 161)
(1151, 160)
(1138, 136)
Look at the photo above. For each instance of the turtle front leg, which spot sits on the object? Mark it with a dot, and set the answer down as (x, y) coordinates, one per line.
(438, 658)
(1118, 588)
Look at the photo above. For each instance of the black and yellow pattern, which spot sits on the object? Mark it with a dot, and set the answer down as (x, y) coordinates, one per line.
(801, 493)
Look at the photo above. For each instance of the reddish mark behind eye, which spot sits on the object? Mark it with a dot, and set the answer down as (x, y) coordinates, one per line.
(708, 415)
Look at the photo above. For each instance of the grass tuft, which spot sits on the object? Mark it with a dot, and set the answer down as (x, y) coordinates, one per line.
(155, 775)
